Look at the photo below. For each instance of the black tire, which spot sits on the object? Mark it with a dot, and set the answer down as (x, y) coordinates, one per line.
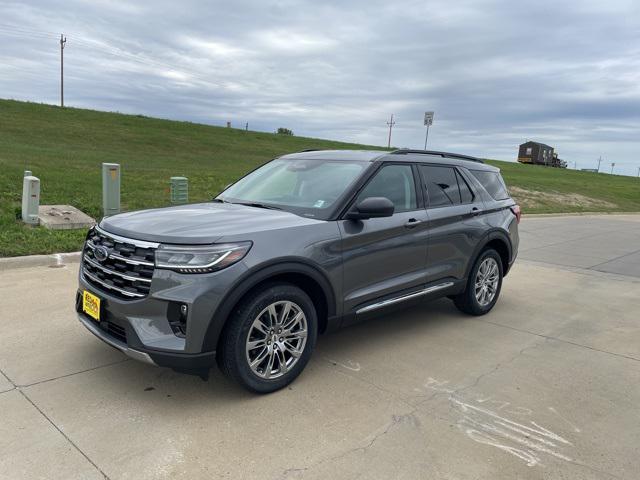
(467, 301)
(232, 354)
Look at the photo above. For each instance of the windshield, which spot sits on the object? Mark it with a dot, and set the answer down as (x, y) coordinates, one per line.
(305, 187)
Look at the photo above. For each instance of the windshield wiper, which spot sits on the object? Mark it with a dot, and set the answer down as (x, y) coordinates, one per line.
(257, 205)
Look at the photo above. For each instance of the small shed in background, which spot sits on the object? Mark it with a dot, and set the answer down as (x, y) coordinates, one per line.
(536, 153)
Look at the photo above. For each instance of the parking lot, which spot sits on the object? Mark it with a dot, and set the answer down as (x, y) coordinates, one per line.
(545, 386)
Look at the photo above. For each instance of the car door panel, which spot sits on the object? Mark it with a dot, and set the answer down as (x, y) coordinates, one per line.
(382, 256)
(454, 229)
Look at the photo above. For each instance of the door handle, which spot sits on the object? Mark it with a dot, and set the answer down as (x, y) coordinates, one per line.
(475, 211)
(412, 222)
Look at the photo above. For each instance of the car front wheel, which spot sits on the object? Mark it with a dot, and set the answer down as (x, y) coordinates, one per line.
(270, 338)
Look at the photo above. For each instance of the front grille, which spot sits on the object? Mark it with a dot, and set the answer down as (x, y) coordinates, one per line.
(126, 272)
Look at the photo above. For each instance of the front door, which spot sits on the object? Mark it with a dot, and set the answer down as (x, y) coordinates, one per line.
(383, 257)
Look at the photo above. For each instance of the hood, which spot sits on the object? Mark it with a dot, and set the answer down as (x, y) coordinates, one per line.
(200, 223)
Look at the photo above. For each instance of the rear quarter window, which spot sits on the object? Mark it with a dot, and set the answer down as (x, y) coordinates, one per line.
(492, 183)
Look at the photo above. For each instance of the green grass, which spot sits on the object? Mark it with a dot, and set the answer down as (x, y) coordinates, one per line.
(551, 190)
(65, 147)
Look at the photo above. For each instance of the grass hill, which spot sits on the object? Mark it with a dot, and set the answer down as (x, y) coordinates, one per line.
(65, 147)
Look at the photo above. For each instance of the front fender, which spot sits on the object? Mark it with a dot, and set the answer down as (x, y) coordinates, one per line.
(254, 277)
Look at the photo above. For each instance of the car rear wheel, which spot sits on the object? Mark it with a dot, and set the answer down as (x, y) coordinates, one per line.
(269, 338)
(483, 285)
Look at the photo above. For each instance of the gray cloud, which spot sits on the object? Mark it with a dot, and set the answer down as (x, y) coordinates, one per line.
(496, 72)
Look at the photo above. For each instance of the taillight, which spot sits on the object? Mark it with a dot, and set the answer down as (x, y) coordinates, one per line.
(516, 211)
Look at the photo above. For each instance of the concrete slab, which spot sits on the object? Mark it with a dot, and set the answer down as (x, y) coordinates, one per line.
(40, 337)
(33, 448)
(63, 217)
(560, 256)
(593, 241)
(135, 418)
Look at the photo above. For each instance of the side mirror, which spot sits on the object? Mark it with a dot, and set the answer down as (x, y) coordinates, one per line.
(371, 207)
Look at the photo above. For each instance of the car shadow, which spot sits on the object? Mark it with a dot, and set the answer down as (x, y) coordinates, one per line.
(146, 383)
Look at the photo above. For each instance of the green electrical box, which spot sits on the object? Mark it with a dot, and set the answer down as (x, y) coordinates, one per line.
(179, 190)
(110, 188)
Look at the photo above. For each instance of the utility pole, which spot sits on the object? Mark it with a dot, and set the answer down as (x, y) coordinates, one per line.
(612, 165)
(599, 160)
(638, 172)
(246, 127)
(391, 123)
(63, 40)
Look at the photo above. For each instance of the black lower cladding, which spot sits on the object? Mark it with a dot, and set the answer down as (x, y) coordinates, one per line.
(195, 364)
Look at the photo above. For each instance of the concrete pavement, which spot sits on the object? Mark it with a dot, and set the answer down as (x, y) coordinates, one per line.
(545, 386)
(606, 243)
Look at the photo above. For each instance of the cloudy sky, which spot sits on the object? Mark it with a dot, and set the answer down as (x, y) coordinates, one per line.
(495, 72)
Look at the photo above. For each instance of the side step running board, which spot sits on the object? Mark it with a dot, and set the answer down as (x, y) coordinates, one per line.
(402, 298)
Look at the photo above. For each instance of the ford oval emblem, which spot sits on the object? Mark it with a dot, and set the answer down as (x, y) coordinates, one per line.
(101, 253)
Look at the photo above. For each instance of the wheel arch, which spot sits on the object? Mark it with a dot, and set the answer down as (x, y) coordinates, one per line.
(306, 276)
(500, 242)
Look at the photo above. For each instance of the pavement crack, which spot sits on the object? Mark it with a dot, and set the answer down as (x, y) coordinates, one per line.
(13, 385)
(614, 259)
(569, 342)
(395, 420)
(72, 374)
(62, 433)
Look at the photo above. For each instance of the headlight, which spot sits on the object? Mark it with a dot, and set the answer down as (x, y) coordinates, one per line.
(200, 258)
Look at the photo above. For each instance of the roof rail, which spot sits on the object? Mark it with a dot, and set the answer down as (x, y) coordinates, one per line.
(404, 151)
(310, 150)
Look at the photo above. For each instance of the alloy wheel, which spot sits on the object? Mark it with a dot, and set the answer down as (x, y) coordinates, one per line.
(276, 339)
(486, 283)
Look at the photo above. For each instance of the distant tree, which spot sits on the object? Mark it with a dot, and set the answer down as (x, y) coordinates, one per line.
(284, 131)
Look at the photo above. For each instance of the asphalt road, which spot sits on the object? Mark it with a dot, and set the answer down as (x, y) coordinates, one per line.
(545, 386)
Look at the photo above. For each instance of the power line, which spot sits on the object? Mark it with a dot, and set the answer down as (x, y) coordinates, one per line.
(108, 49)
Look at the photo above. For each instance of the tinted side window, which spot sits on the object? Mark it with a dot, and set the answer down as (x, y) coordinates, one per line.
(465, 192)
(394, 182)
(442, 185)
(492, 183)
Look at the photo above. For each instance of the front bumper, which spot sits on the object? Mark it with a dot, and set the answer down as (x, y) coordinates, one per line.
(195, 364)
(114, 342)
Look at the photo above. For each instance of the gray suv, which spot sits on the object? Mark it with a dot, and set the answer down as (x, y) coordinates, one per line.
(304, 244)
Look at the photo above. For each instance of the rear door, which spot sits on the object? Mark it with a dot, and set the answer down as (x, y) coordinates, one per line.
(455, 221)
(385, 256)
